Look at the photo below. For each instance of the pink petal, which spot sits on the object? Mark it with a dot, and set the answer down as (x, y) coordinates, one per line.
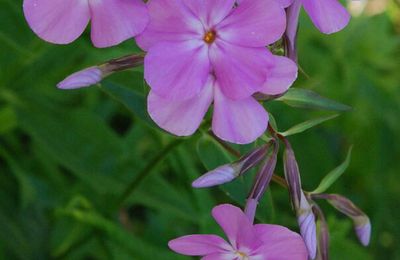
(238, 121)
(177, 70)
(329, 16)
(221, 256)
(285, 3)
(280, 243)
(210, 12)
(170, 20)
(199, 245)
(236, 226)
(114, 21)
(282, 3)
(240, 71)
(281, 75)
(181, 118)
(57, 21)
(254, 23)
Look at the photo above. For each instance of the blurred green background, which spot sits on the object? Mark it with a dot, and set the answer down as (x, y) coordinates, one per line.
(68, 157)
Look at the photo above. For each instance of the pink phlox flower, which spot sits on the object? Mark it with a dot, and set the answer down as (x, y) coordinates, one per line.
(63, 21)
(204, 52)
(246, 241)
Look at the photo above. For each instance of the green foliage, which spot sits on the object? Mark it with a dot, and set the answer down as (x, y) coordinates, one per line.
(334, 175)
(67, 157)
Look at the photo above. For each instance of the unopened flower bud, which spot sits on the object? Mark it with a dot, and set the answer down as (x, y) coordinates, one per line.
(93, 75)
(306, 220)
(228, 172)
(362, 224)
(84, 78)
(305, 215)
(363, 231)
(223, 174)
(322, 233)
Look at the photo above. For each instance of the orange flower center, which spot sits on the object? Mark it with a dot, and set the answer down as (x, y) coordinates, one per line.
(210, 36)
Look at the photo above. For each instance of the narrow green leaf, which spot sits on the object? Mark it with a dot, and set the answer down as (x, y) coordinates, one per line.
(300, 128)
(131, 99)
(304, 98)
(134, 245)
(334, 175)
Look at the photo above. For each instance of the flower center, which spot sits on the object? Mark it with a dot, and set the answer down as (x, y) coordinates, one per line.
(242, 255)
(210, 36)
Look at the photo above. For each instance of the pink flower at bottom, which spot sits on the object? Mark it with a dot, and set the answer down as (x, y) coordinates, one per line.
(246, 241)
(63, 21)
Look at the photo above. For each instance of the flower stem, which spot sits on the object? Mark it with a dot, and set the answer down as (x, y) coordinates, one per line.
(146, 171)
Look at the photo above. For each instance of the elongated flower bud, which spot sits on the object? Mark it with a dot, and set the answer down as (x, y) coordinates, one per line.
(362, 224)
(262, 181)
(305, 215)
(84, 78)
(308, 228)
(292, 16)
(93, 75)
(223, 174)
(228, 172)
(322, 234)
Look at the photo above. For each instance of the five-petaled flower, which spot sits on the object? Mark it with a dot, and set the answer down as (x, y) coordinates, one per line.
(63, 21)
(246, 241)
(207, 51)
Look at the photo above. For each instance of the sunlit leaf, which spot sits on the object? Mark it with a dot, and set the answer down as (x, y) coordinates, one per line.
(297, 129)
(334, 175)
(304, 98)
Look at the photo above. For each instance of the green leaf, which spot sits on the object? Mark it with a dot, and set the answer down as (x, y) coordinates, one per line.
(135, 245)
(334, 175)
(8, 120)
(80, 141)
(304, 98)
(26, 189)
(300, 128)
(134, 101)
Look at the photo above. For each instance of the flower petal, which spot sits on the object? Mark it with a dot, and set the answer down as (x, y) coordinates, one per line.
(280, 243)
(254, 23)
(114, 21)
(199, 245)
(177, 70)
(236, 226)
(238, 121)
(281, 75)
(221, 256)
(57, 21)
(329, 16)
(285, 3)
(210, 12)
(240, 71)
(180, 117)
(169, 21)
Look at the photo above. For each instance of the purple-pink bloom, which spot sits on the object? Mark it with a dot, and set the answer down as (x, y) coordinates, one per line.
(329, 16)
(246, 241)
(63, 21)
(204, 52)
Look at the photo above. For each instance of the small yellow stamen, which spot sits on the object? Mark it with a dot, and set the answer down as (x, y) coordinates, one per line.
(210, 36)
(242, 255)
